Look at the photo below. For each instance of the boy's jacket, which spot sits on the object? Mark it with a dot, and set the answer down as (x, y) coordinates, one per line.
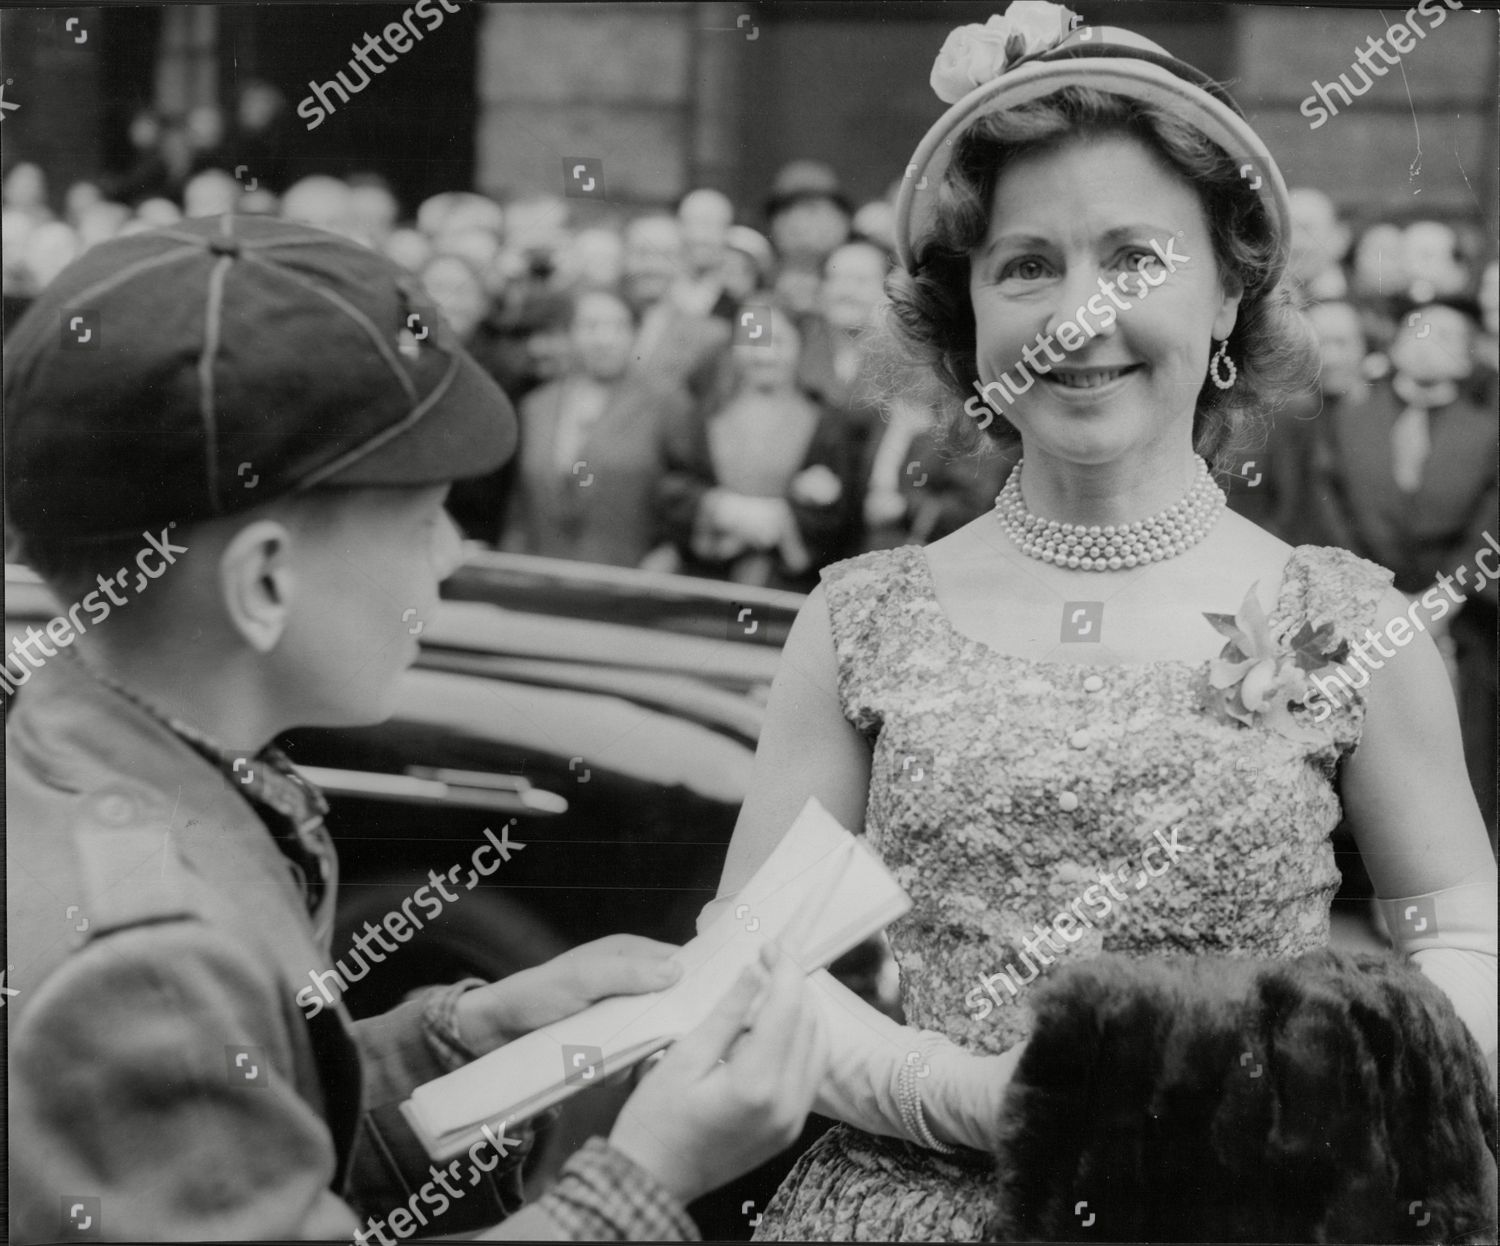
(157, 939)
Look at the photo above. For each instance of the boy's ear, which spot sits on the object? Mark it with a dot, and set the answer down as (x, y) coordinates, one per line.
(256, 582)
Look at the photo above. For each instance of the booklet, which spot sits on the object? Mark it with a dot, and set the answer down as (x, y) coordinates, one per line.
(821, 892)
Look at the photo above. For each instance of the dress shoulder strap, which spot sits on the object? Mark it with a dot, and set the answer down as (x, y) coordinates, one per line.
(874, 603)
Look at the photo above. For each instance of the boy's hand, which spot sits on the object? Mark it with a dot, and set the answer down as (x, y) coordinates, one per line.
(733, 1092)
(490, 1016)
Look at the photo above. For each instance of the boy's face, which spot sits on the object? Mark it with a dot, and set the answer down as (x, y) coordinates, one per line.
(366, 581)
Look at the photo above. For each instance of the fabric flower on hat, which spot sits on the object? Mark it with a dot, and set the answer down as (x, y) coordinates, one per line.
(973, 55)
(1258, 679)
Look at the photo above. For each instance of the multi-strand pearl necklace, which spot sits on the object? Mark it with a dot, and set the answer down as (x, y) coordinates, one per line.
(1114, 546)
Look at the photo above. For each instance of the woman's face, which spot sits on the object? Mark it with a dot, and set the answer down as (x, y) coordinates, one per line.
(1341, 341)
(452, 285)
(770, 365)
(1069, 226)
(741, 276)
(1378, 262)
(853, 286)
(602, 335)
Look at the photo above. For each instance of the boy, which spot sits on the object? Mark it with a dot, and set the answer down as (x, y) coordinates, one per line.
(228, 446)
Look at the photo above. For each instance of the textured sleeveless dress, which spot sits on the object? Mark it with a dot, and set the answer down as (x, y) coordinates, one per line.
(1003, 787)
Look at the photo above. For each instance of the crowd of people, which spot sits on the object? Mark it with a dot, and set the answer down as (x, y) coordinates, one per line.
(1393, 453)
(691, 389)
(688, 385)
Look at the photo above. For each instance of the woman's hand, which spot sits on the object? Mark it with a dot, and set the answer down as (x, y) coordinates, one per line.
(733, 1092)
(758, 522)
(490, 1016)
(872, 1059)
(963, 1106)
(816, 486)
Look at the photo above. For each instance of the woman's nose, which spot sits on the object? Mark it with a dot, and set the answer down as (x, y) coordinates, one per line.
(1081, 283)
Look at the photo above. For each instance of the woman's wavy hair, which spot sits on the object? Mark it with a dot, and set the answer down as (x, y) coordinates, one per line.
(922, 347)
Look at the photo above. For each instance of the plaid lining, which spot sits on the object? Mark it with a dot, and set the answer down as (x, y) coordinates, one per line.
(602, 1195)
(440, 1020)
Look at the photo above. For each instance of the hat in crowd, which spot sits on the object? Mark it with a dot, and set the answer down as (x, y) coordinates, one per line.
(205, 368)
(753, 243)
(1037, 48)
(799, 180)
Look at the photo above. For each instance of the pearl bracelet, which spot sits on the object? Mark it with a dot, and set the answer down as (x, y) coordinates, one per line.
(909, 1097)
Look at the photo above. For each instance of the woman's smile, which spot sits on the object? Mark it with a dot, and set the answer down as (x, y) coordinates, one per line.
(1090, 384)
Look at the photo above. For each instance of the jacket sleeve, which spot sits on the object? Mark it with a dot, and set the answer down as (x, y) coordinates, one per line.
(1328, 504)
(149, 1084)
(401, 1049)
(1465, 554)
(832, 530)
(686, 474)
(600, 1196)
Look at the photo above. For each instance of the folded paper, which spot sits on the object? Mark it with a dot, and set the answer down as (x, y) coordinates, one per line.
(820, 893)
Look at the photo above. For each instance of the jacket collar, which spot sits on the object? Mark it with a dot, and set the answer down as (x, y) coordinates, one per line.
(78, 735)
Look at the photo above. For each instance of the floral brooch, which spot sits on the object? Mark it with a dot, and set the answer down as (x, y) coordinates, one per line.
(973, 55)
(1260, 679)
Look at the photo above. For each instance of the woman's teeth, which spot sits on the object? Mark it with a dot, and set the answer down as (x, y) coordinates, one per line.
(1088, 380)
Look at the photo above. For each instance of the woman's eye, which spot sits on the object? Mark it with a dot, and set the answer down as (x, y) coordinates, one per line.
(1137, 256)
(1027, 268)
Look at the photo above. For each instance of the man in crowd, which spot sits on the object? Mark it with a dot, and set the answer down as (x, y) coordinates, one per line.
(678, 343)
(1320, 240)
(704, 217)
(1408, 479)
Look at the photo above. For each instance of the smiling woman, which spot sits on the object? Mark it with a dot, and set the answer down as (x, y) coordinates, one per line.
(932, 321)
(1059, 668)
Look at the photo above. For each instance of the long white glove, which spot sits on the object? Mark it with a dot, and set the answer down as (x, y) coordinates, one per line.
(1450, 935)
(870, 1055)
(959, 1093)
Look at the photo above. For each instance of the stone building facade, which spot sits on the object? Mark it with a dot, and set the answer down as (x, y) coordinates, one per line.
(674, 95)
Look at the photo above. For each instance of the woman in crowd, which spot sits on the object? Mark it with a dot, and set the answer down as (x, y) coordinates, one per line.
(1048, 691)
(764, 491)
(457, 288)
(591, 446)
